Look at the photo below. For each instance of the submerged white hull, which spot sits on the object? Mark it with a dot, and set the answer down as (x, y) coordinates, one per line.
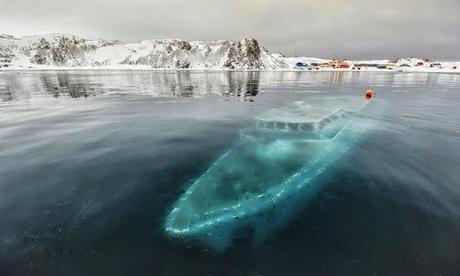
(263, 178)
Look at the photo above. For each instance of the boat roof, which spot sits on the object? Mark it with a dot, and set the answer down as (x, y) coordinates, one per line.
(312, 110)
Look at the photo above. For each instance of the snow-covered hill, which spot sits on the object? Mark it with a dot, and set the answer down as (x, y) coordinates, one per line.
(62, 50)
(65, 51)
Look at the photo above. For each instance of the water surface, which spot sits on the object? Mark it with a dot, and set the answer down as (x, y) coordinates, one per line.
(91, 162)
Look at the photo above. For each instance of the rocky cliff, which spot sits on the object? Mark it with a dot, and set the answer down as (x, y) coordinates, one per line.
(62, 50)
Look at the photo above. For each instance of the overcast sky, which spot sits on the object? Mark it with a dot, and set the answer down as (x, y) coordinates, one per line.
(323, 28)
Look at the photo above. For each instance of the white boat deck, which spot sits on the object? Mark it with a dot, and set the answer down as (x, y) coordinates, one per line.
(312, 110)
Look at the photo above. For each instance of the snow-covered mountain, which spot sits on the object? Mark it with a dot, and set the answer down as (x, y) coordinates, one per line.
(63, 50)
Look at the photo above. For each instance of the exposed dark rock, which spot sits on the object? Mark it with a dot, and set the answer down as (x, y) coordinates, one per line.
(182, 64)
(184, 45)
(169, 49)
(244, 54)
(61, 51)
(42, 53)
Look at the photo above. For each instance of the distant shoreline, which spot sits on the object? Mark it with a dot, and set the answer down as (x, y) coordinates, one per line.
(65, 52)
(146, 68)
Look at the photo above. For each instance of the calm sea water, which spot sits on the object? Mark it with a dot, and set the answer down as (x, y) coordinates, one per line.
(91, 162)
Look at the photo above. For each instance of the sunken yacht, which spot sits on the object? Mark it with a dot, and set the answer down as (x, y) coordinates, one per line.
(269, 172)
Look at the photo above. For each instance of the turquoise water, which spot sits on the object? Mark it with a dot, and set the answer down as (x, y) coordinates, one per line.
(91, 163)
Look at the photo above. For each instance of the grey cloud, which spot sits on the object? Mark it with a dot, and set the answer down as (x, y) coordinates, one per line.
(349, 29)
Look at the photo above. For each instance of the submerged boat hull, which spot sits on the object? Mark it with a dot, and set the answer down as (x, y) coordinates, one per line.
(262, 179)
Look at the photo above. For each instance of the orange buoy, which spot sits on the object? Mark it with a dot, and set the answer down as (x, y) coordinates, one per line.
(369, 94)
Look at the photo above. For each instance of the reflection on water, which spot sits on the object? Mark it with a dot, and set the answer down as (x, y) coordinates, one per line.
(90, 162)
(22, 86)
(25, 85)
